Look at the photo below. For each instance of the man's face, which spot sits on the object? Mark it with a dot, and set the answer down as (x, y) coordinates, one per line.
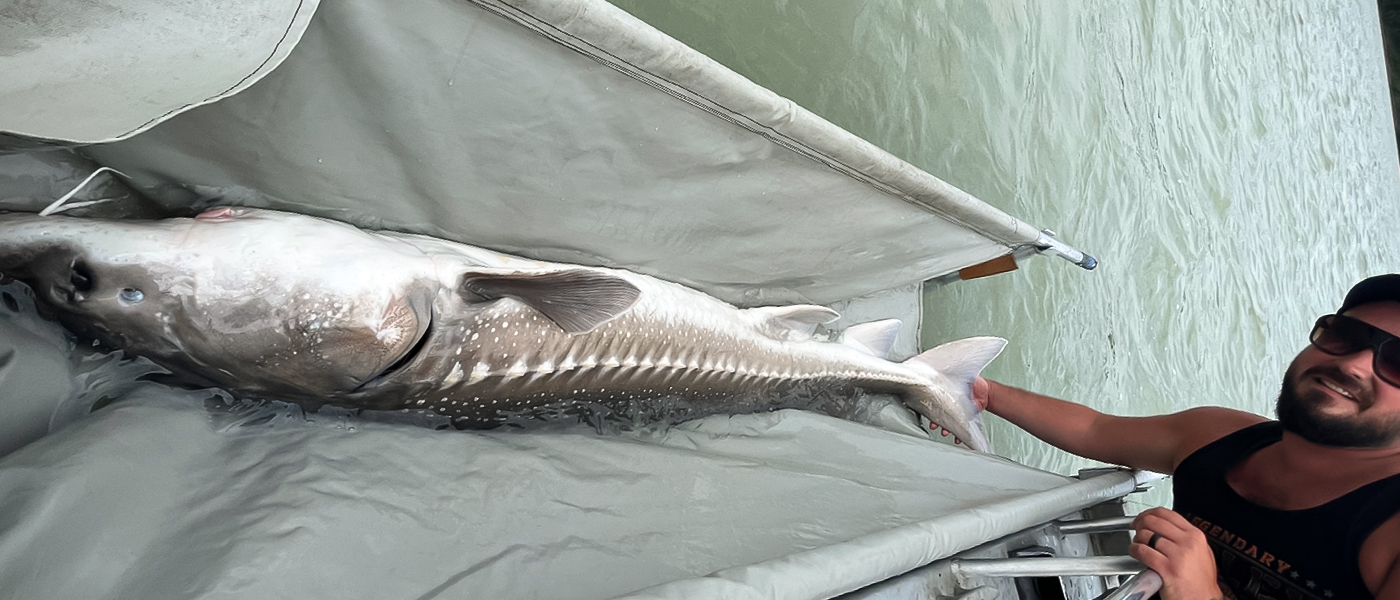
(1337, 400)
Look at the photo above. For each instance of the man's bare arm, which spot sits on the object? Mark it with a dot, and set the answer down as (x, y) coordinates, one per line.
(1156, 443)
(1380, 560)
(1390, 587)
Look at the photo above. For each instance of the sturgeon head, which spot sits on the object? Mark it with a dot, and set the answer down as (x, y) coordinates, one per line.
(247, 300)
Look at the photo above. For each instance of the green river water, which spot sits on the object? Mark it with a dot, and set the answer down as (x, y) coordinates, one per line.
(1232, 165)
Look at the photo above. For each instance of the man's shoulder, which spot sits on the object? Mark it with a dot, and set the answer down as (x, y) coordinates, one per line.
(1195, 428)
(1218, 417)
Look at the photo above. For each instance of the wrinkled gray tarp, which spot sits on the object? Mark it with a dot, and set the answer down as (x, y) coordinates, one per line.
(85, 71)
(149, 499)
(442, 117)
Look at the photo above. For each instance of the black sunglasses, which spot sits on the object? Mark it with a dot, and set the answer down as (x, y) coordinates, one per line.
(1338, 335)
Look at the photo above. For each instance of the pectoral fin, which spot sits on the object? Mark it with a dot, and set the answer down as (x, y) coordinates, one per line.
(578, 300)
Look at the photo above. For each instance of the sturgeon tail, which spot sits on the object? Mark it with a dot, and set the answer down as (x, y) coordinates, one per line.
(947, 401)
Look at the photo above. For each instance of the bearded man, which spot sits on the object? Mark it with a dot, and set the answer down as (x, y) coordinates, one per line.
(1305, 507)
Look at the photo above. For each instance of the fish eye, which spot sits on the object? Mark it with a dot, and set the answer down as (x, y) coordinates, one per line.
(131, 295)
(81, 277)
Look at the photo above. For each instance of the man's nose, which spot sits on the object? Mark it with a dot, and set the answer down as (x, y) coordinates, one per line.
(1357, 364)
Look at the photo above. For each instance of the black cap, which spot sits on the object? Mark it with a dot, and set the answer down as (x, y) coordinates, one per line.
(1381, 288)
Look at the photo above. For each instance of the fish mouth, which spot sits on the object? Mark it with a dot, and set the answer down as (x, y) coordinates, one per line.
(402, 363)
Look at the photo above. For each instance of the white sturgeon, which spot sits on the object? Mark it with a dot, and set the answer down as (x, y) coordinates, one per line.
(267, 304)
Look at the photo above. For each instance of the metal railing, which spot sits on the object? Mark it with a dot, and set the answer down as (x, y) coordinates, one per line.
(1143, 583)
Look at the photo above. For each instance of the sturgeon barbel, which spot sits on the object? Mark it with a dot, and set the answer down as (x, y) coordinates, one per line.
(267, 304)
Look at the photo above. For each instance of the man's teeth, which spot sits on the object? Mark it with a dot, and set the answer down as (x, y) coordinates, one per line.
(1334, 388)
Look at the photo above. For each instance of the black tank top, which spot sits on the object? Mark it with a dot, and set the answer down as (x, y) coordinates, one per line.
(1286, 554)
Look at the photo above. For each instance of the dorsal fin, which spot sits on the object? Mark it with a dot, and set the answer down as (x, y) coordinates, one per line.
(875, 337)
(795, 322)
(578, 300)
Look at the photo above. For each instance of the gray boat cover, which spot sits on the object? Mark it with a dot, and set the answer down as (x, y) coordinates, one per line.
(557, 129)
(92, 71)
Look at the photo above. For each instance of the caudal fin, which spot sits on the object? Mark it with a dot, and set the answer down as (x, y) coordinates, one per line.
(957, 364)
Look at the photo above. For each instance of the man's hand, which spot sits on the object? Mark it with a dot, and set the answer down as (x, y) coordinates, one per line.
(1179, 553)
(981, 393)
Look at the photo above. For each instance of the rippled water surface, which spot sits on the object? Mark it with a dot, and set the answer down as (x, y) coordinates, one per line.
(1233, 166)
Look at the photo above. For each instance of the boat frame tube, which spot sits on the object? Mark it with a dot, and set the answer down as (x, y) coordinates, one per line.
(1044, 566)
(1048, 245)
(840, 568)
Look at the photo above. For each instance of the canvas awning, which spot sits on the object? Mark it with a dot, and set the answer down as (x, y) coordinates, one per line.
(557, 129)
